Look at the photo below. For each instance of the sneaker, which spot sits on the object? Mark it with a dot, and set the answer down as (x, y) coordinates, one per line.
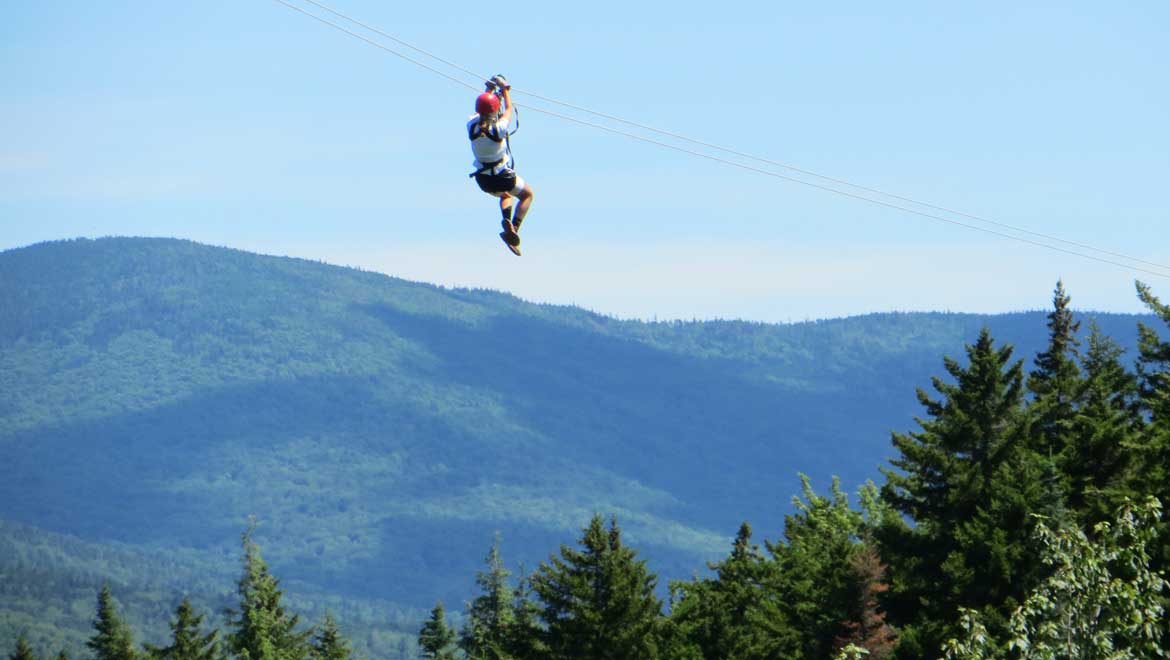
(516, 225)
(508, 227)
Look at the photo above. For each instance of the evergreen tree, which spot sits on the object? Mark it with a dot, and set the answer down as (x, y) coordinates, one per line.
(261, 628)
(1055, 382)
(23, 651)
(187, 640)
(436, 640)
(1106, 431)
(969, 484)
(112, 639)
(491, 615)
(525, 638)
(328, 644)
(712, 615)
(867, 628)
(813, 581)
(1151, 475)
(599, 602)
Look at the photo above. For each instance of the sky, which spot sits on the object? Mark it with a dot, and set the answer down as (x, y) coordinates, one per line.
(244, 123)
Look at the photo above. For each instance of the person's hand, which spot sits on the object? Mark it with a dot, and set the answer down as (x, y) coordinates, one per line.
(501, 82)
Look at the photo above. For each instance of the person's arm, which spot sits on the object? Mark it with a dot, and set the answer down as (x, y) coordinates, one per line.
(506, 118)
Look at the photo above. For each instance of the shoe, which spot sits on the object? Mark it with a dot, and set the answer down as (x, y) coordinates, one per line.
(516, 225)
(509, 235)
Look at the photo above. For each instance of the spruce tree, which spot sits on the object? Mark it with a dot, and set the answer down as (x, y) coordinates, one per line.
(1055, 381)
(1106, 431)
(525, 637)
(188, 642)
(328, 643)
(813, 582)
(969, 484)
(714, 615)
(261, 629)
(1151, 475)
(436, 640)
(490, 615)
(112, 639)
(23, 651)
(599, 601)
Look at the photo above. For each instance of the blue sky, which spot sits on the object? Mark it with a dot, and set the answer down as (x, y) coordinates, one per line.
(246, 124)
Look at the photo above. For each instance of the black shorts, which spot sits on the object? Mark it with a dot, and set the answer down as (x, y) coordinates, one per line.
(496, 183)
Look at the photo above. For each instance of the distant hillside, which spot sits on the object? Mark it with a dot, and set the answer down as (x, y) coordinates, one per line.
(154, 393)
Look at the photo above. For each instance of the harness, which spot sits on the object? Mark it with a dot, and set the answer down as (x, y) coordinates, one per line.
(474, 132)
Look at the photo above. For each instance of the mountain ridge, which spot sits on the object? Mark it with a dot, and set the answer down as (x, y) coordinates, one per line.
(157, 392)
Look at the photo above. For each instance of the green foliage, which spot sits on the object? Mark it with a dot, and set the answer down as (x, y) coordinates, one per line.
(599, 601)
(328, 644)
(22, 651)
(188, 642)
(1102, 599)
(436, 639)
(491, 615)
(261, 629)
(112, 639)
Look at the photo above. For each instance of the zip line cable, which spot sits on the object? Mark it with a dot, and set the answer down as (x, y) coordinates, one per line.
(735, 152)
(732, 151)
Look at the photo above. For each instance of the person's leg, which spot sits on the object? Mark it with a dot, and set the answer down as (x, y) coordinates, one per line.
(506, 201)
(525, 195)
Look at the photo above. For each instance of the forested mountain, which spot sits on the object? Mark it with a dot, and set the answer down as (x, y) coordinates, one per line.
(155, 393)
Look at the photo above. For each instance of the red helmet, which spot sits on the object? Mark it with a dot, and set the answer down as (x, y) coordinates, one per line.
(487, 104)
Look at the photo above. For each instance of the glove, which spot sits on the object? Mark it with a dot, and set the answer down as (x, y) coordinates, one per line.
(500, 81)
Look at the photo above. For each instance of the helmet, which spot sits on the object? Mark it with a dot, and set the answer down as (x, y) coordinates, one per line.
(487, 104)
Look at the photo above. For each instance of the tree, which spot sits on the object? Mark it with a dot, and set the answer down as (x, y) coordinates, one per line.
(328, 644)
(812, 586)
(490, 615)
(713, 615)
(187, 640)
(599, 601)
(1103, 599)
(1152, 473)
(1055, 382)
(23, 651)
(867, 629)
(969, 484)
(525, 638)
(436, 639)
(112, 639)
(261, 628)
(1106, 430)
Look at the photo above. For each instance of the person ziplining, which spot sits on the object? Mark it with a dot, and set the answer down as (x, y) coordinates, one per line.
(490, 129)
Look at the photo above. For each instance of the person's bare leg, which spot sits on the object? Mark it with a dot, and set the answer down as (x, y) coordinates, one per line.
(522, 209)
(506, 206)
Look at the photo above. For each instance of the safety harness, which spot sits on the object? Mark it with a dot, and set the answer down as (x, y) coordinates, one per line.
(474, 132)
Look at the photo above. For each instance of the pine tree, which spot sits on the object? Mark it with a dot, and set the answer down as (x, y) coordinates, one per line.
(261, 628)
(112, 639)
(599, 602)
(525, 639)
(813, 582)
(1105, 433)
(187, 640)
(713, 615)
(969, 484)
(436, 639)
(1055, 382)
(23, 651)
(328, 644)
(1151, 475)
(490, 615)
(867, 628)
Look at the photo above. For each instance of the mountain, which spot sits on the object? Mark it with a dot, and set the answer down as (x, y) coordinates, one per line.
(156, 393)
